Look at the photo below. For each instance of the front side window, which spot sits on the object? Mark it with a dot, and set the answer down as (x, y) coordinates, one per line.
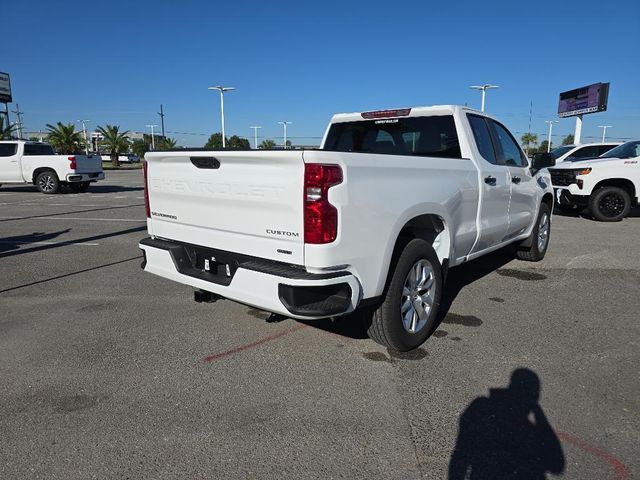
(586, 152)
(508, 150)
(433, 136)
(8, 149)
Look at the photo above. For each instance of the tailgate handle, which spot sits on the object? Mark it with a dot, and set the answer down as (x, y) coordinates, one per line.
(206, 162)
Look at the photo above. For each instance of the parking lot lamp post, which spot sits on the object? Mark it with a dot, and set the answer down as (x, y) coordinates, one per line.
(222, 89)
(284, 124)
(84, 132)
(153, 142)
(484, 89)
(550, 122)
(604, 131)
(255, 136)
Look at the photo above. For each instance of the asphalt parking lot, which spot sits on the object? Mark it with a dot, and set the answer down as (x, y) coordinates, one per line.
(109, 372)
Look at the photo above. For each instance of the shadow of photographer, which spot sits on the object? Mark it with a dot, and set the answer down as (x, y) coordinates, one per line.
(506, 435)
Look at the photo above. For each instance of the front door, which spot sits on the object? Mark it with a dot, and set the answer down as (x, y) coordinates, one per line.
(9, 164)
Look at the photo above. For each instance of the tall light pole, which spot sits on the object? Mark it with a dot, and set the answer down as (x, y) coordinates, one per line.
(484, 89)
(153, 142)
(550, 122)
(284, 124)
(84, 132)
(222, 89)
(604, 130)
(255, 136)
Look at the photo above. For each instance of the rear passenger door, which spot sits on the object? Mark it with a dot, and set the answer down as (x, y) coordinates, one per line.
(522, 206)
(495, 187)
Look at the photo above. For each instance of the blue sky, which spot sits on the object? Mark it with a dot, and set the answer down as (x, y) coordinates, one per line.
(115, 62)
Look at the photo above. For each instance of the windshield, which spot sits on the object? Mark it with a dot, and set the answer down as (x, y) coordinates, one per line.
(626, 150)
(559, 151)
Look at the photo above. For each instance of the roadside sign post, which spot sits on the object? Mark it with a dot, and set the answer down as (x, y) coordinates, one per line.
(578, 133)
(5, 94)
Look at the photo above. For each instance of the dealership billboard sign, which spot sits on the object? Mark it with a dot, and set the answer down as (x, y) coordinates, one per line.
(589, 99)
(5, 88)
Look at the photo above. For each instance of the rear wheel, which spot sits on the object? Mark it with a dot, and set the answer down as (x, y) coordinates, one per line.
(610, 204)
(47, 182)
(408, 312)
(79, 187)
(535, 247)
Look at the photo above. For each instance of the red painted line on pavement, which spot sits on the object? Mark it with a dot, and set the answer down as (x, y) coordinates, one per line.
(233, 351)
(621, 472)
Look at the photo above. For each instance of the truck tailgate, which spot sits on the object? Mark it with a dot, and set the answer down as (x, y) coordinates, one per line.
(243, 202)
(88, 163)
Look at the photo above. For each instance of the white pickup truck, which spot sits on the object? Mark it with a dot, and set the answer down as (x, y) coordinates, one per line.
(36, 163)
(372, 220)
(607, 185)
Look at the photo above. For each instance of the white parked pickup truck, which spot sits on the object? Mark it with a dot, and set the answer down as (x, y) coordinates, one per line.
(372, 220)
(33, 162)
(608, 185)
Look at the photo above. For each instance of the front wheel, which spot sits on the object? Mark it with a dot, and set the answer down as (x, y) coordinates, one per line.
(610, 204)
(409, 309)
(79, 187)
(47, 182)
(534, 248)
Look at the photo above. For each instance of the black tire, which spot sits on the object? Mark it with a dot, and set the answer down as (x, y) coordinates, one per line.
(79, 187)
(534, 248)
(47, 182)
(570, 209)
(610, 204)
(387, 326)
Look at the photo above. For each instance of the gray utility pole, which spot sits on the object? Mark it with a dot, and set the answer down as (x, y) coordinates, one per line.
(19, 117)
(161, 113)
(255, 136)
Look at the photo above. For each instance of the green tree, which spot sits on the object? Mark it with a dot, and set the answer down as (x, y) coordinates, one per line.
(238, 143)
(168, 144)
(115, 141)
(568, 140)
(267, 145)
(6, 133)
(529, 139)
(64, 138)
(543, 146)
(215, 141)
(139, 148)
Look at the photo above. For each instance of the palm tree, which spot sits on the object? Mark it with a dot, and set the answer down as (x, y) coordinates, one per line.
(6, 132)
(529, 139)
(64, 138)
(168, 144)
(115, 141)
(267, 145)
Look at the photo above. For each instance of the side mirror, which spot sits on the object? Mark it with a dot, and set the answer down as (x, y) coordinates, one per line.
(542, 160)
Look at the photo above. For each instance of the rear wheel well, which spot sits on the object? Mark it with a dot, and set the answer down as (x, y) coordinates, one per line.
(40, 170)
(548, 199)
(620, 183)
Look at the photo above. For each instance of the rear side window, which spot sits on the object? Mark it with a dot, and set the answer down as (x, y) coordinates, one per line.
(433, 136)
(482, 137)
(8, 149)
(37, 149)
(604, 149)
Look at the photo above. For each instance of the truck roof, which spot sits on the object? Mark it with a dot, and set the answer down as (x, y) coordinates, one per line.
(418, 111)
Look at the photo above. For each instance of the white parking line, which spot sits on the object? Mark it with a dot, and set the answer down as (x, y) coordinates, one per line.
(69, 242)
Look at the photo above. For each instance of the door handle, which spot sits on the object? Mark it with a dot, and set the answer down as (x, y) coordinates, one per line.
(490, 180)
(516, 180)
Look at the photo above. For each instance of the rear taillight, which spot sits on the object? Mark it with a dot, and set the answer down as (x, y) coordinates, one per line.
(147, 208)
(72, 162)
(320, 217)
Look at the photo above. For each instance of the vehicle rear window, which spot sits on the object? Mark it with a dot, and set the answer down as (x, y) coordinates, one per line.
(433, 136)
(37, 149)
(8, 149)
